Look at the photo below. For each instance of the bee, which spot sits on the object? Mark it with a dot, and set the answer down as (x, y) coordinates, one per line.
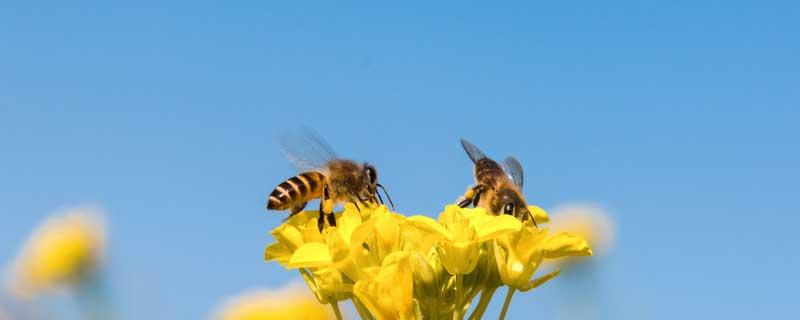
(498, 187)
(323, 176)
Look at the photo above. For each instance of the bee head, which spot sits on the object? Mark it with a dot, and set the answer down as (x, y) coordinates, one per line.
(371, 180)
(511, 202)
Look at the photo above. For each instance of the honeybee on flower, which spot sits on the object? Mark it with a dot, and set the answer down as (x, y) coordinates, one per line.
(323, 176)
(498, 187)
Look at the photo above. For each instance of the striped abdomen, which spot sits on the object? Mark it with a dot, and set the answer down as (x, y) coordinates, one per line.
(488, 172)
(296, 190)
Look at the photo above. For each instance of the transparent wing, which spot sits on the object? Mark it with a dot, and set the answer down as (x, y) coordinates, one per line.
(473, 152)
(305, 149)
(513, 169)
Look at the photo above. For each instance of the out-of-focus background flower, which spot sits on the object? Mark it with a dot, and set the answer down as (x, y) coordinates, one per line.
(292, 301)
(678, 120)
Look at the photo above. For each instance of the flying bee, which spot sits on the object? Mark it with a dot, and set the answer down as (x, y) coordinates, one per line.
(323, 176)
(498, 187)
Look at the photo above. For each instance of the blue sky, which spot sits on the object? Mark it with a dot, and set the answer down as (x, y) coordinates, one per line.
(679, 118)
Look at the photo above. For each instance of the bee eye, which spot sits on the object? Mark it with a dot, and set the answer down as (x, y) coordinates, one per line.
(371, 175)
(508, 208)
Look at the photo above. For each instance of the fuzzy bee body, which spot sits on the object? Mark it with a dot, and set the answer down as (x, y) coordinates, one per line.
(498, 188)
(324, 176)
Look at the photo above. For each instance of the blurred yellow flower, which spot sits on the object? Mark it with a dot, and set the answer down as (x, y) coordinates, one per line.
(290, 302)
(63, 251)
(588, 221)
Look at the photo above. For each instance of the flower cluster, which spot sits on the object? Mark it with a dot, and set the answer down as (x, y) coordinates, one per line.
(397, 267)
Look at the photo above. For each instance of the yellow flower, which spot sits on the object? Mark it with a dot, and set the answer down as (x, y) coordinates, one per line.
(66, 249)
(461, 231)
(291, 235)
(588, 221)
(389, 294)
(394, 267)
(289, 302)
(332, 261)
(539, 214)
(519, 254)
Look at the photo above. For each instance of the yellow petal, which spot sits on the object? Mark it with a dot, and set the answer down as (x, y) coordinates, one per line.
(310, 255)
(288, 235)
(347, 223)
(387, 235)
(427, 224)
(497, 226)
(459, 257)
(390, 295)
(277, 252)
(539, 215)
(565, 244)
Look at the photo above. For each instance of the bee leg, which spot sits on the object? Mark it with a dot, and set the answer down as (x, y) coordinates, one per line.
(328, 208)
(325, 207)
(354, 198)
(468, 196)
(321, 219)
(332, 220)
(477, 198)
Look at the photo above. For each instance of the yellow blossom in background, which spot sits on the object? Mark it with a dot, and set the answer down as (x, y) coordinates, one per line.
(290, 302)
(588, 221)
(64, 250)
(397, 267)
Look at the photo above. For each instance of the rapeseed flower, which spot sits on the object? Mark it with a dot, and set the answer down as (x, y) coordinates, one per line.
(397, 267)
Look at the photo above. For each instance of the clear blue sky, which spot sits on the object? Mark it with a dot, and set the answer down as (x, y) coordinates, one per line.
(680, 118)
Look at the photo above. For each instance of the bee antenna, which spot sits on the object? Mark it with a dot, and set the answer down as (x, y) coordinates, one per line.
(530, 214)
(387, 194)
(379, 196)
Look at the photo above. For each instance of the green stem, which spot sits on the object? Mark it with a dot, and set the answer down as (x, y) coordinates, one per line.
(483, 303)
(363, 313)
(94, 298)
(505, 304)
(458, 310)
(335, 305)
(308, 278)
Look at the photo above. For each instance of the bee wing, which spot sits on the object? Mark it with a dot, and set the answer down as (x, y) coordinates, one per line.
(473, 152)
(513, 169)
(305, 149)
